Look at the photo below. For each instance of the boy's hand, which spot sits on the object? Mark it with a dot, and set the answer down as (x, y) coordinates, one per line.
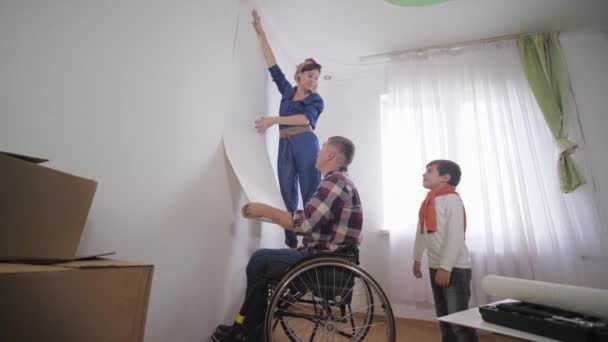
(416, 270)
(442, 277)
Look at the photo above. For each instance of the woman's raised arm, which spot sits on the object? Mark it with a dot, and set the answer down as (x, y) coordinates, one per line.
(257, 25)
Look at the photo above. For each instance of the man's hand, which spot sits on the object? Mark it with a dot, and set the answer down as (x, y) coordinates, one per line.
(253, 210)
(416, 270)
(442, 277)
(260, 210)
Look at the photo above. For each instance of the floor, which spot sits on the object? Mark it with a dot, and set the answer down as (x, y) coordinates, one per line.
(406, 330)
(422, 331)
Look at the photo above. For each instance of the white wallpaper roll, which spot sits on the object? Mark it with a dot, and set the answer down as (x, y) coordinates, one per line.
(584, 300)
(245, 147)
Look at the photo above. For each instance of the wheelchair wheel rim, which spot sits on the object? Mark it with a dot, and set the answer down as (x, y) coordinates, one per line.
(328, 299)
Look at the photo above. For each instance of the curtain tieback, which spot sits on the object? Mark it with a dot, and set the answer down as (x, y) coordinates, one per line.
(566, 146)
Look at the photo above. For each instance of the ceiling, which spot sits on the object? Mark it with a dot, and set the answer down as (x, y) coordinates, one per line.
(339, 32)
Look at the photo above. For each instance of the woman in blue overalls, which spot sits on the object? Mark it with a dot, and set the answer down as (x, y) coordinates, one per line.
(298, 113)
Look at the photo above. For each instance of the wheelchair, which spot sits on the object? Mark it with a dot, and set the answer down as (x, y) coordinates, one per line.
(328, 297)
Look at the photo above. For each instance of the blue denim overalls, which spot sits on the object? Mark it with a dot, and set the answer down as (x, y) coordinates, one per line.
(298, 152)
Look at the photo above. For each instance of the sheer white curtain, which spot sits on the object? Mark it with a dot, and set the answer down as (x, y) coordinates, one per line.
(474, 106)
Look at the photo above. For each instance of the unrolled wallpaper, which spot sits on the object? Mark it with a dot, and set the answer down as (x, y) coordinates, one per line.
(584, 300)
(245, 147)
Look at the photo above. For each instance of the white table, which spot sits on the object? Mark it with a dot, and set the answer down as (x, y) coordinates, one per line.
(472, 318)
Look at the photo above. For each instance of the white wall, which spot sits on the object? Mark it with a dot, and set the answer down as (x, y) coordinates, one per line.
(134, 94)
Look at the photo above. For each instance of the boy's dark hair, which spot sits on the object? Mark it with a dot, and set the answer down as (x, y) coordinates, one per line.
(447, 166)
(345, 147)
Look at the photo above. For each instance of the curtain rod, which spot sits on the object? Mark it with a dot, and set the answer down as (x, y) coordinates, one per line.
(387, 55)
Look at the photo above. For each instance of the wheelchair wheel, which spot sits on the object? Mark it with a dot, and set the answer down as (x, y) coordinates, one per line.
(328, 299)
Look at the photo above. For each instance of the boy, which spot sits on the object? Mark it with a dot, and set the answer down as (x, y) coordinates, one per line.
(441, 231)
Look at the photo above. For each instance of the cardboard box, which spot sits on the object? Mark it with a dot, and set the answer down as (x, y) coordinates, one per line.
(93, 300)
(42, 211)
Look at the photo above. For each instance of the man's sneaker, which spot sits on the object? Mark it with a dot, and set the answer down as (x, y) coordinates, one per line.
(227, 333)
(223, 329)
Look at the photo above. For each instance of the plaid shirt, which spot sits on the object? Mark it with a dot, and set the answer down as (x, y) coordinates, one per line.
(333, 216)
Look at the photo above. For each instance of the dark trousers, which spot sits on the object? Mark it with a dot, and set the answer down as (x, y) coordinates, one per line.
(264, 265)
(451, 299)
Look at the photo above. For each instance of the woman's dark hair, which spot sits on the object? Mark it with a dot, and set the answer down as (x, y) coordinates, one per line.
(309, 64)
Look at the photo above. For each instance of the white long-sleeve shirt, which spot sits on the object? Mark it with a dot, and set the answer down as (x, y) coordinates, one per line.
(445, 247)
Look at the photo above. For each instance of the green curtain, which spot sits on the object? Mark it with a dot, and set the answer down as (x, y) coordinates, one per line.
(546, 71)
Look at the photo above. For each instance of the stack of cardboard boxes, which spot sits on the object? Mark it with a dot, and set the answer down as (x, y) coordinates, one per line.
(46, 292)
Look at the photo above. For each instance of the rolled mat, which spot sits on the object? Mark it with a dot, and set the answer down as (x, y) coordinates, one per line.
(583, 300)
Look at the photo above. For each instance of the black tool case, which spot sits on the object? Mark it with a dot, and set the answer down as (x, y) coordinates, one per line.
(546, 321)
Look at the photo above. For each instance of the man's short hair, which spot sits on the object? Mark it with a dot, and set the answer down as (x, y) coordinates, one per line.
(345, 147)
(449, 167)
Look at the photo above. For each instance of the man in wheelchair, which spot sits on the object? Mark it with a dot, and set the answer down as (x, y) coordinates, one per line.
(330, 221)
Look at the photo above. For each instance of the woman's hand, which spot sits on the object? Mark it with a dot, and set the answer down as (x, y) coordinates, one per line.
(257, 22)
(257, 25)
(263, 123)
